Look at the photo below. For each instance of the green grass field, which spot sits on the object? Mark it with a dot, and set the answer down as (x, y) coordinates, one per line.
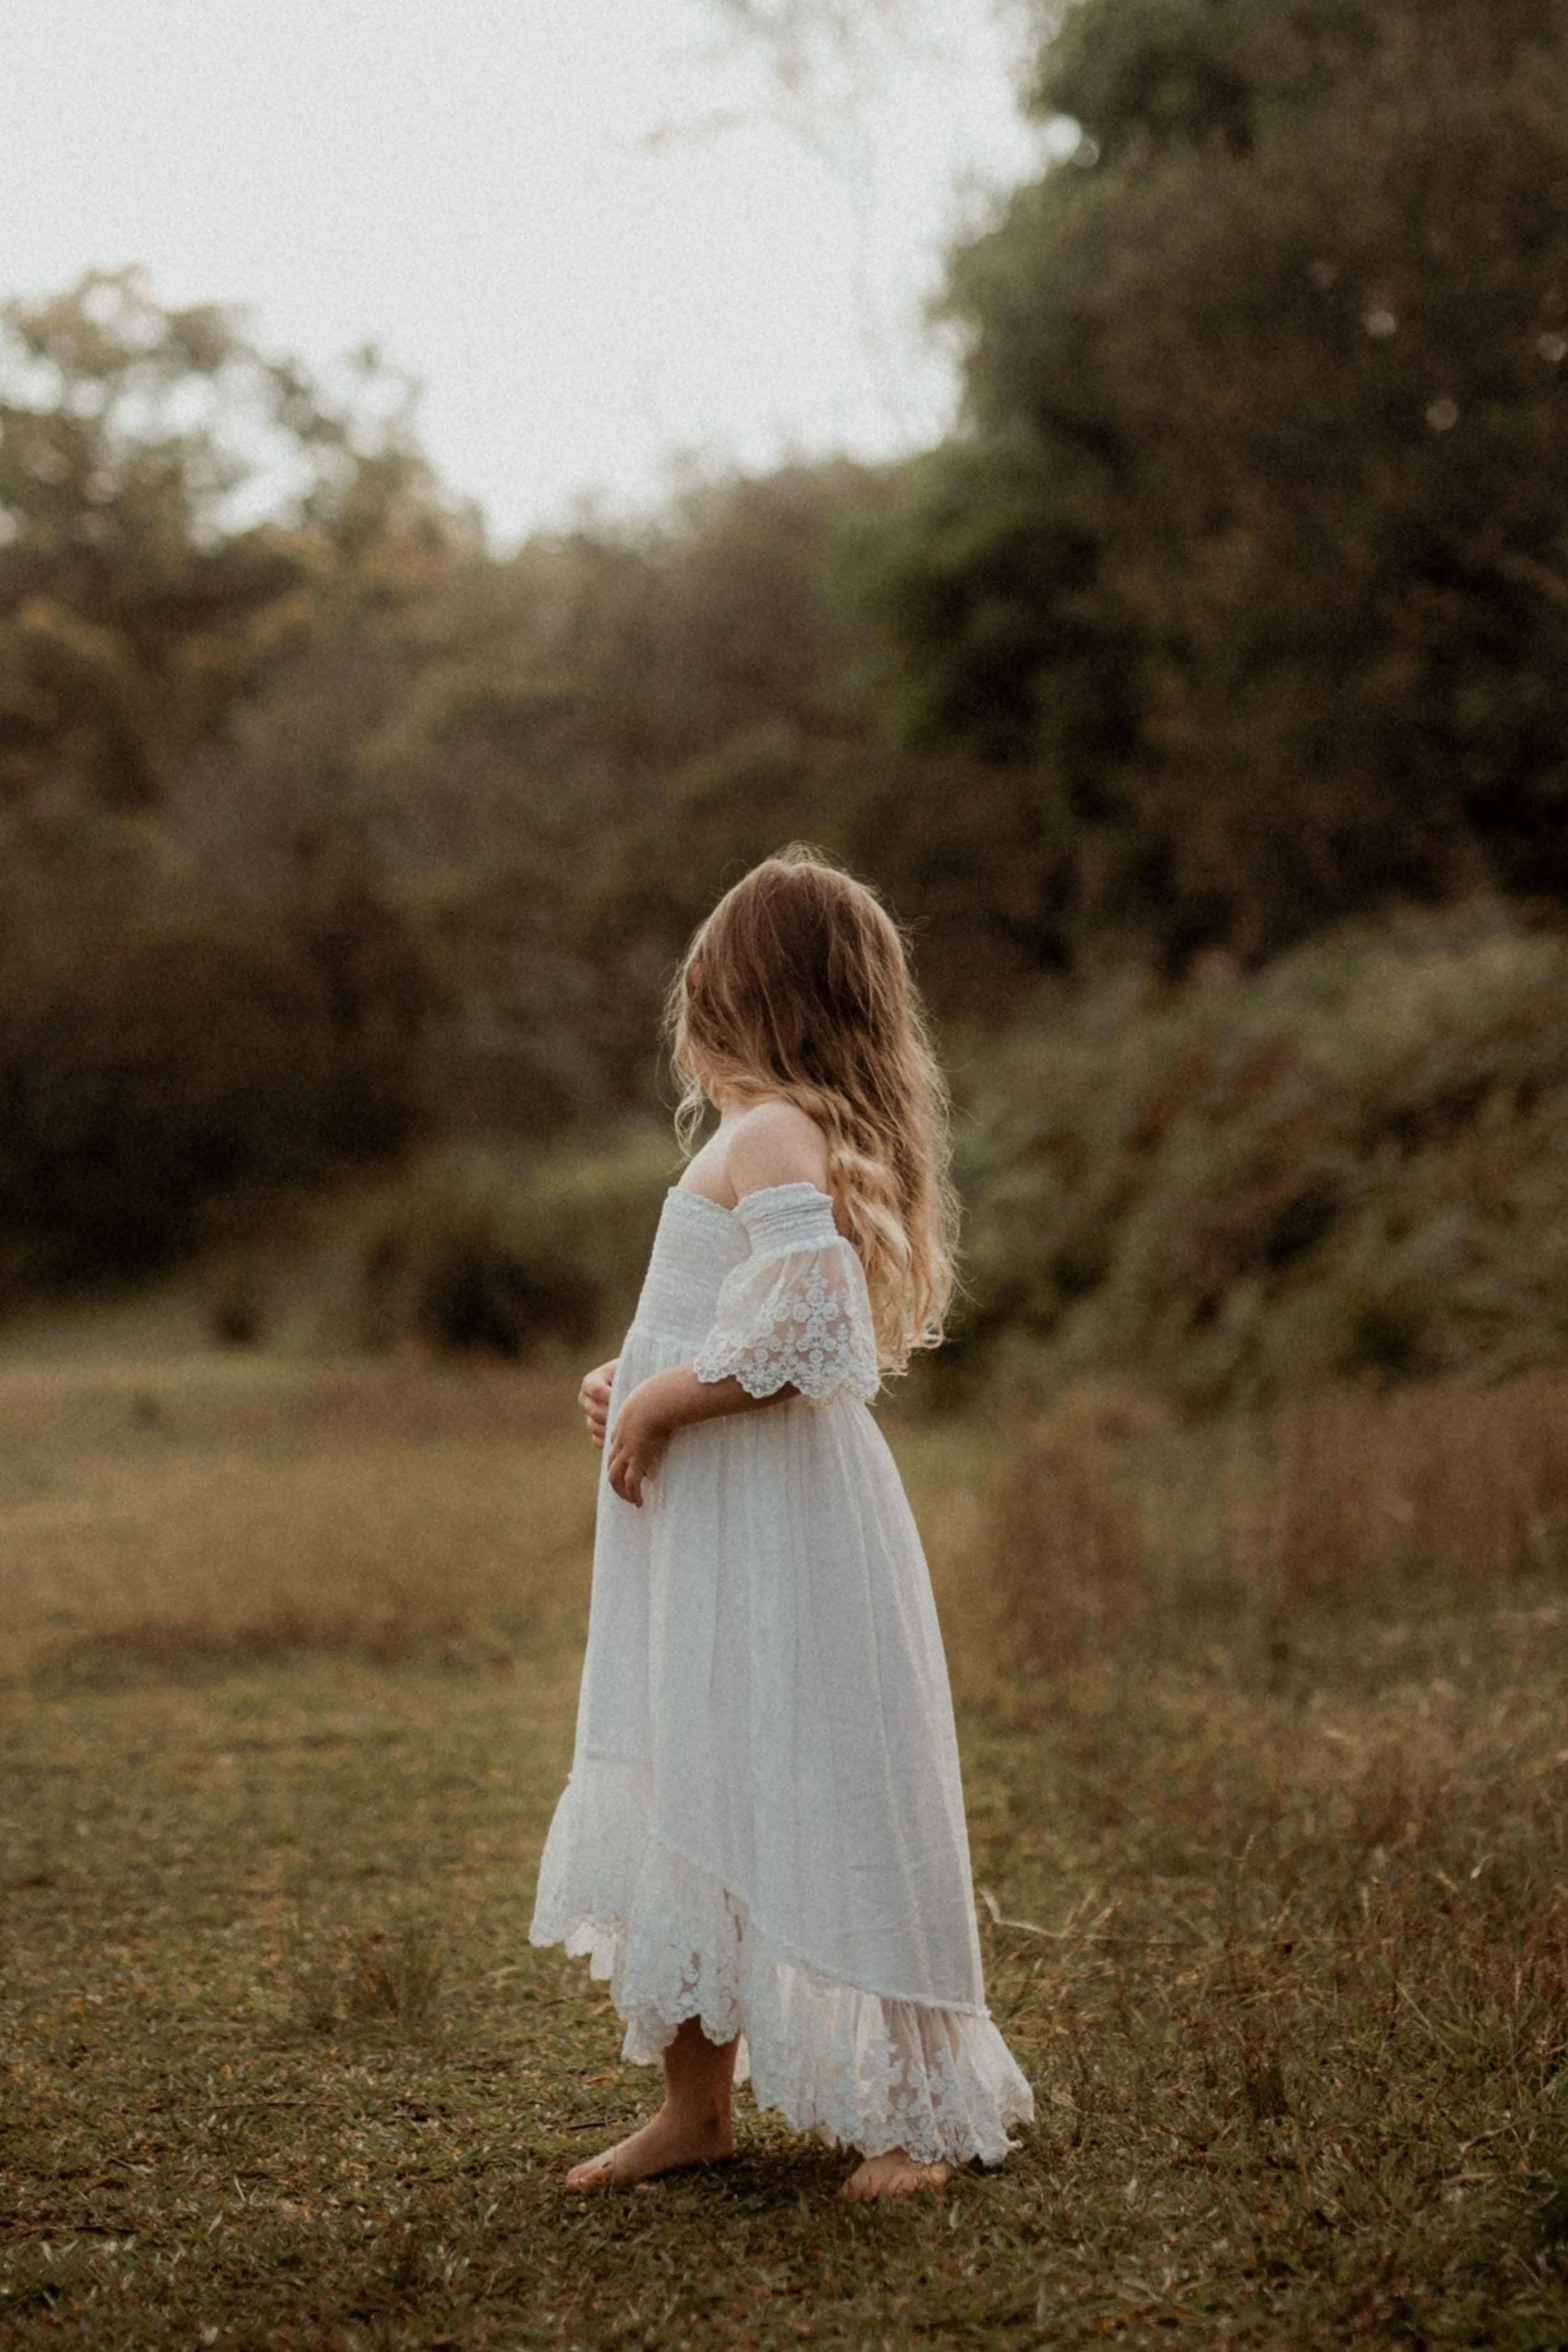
(1276, 1911)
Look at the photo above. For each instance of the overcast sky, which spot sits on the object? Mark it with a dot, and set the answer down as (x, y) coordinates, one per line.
(570, 219)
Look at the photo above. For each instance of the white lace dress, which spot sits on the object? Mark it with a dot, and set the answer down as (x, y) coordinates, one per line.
(763, 1828)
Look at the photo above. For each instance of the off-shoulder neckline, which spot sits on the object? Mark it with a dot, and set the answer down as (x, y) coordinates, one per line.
(763, 1193)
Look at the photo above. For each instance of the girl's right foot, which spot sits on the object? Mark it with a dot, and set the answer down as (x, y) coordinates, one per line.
(666, 2145)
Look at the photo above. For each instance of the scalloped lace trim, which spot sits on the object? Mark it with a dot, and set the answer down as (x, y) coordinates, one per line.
(794, 1318)
(858, 2070)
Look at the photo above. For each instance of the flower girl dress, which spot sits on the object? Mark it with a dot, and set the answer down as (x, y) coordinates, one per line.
(763, 1828)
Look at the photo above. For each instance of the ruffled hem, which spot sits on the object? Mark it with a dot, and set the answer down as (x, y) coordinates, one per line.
(762, 1375)
(857, 2069)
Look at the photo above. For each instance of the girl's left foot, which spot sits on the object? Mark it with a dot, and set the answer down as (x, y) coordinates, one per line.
(893, 2174)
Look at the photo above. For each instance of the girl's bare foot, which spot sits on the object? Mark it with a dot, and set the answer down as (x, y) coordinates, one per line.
(662, 2145)
(894, 2175)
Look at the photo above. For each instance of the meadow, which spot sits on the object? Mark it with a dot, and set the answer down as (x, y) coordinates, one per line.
(1264, 1744)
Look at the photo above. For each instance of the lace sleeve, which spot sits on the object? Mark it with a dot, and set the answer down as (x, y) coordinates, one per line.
(796, 1312)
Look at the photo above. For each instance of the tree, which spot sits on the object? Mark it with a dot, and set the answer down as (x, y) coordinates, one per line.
(1253, 549)
(175, 507)
(183, 517)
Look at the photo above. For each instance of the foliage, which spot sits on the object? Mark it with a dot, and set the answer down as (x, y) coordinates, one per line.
(557, 764)
(174, 505)
(1251, 557)
(466, 1249)
(179, 515)
(166, 1052)
(603, 731)
(473, 811)
(1236, 607)
(1352, 1161)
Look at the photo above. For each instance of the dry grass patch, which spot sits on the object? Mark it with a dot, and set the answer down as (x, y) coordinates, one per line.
(384, 1621)
(158, 1526)
(1107, 1517)
(378, 1977)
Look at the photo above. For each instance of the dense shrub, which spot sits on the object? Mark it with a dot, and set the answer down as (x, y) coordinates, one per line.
(168, 1054)
(467, 1250)
(1356, 1161)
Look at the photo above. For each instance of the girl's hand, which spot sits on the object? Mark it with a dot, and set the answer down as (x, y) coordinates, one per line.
(638, 1447)
(593, 1396)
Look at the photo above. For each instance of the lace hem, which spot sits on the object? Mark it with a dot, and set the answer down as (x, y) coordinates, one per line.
(857, 2069)
(796, 1318)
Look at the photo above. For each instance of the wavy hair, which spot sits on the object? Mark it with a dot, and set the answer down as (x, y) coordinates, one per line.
(798, 986)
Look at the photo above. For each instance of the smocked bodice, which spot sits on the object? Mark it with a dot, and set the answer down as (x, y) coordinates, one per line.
(695, 1247)
(699, 1243)
(768, 1293)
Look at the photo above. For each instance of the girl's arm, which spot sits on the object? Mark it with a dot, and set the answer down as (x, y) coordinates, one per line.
(660, 1406)
(774, 1143)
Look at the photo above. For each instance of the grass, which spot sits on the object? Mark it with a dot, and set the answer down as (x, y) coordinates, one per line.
(1275, 1905)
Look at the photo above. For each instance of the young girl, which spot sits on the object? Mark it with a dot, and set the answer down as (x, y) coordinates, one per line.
(762, 1845)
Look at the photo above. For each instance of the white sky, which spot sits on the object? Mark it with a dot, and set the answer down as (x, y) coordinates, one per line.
(479, 186)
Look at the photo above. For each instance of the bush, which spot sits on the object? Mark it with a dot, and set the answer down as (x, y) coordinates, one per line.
(1354, 1163)
(157, 1074)
(467, 1250)
(168, 1056)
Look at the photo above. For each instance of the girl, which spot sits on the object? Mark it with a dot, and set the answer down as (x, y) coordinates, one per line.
(762, 1845)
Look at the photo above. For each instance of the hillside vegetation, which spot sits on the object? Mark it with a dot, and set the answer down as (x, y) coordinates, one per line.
(1354, 1161)
(1353, 1164)
(345, 855)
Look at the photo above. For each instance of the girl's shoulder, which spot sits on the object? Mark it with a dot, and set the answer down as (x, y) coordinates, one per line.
(777, 1142)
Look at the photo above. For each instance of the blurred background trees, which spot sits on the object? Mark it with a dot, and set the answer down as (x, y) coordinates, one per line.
(182, 520)
(1233, 611)
(1254, 547)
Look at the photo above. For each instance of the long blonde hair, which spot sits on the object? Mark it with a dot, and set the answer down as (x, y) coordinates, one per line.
(798, 986)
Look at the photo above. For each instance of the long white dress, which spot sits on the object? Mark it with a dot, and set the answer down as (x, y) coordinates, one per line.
(763, 1827)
